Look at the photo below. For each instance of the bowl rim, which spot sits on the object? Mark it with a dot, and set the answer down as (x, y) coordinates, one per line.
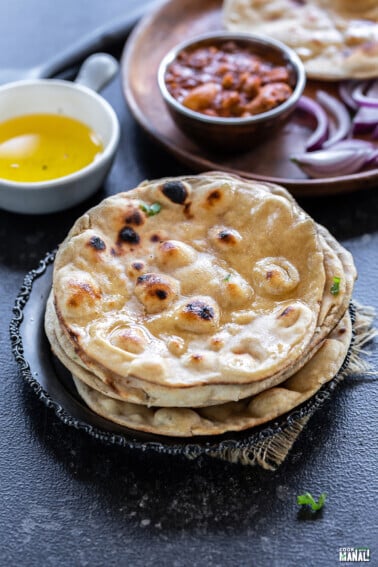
(292, 59)
(99, 161)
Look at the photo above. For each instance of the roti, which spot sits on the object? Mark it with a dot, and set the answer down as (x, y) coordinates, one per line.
(335, 39)
(233, 416)
(199, 305)
(138, 391)
(193, 281)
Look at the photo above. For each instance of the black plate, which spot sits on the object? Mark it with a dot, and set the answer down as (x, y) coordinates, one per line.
(54, 386)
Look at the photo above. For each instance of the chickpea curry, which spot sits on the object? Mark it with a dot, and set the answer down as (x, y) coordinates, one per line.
(227, 80)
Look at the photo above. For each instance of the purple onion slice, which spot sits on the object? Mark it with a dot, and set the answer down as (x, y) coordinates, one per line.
(339, 162)
(338, 110)
(320, 133)
(370, 99)
(365, 120)
(346, 89)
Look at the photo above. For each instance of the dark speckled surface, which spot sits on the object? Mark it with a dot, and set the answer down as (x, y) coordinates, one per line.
(69, 500)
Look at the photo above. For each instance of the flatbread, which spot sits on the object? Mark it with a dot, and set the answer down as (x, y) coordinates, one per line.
(138, 391)
(233, 416)
(222, 286)
(336, 39)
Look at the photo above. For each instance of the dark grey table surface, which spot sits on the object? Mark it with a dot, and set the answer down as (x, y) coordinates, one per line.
(70, 500)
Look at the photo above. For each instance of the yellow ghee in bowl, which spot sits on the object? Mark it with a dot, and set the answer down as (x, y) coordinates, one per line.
(41, 147)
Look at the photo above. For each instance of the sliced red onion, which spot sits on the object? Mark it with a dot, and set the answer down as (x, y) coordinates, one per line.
(338, 110)
(375, 133)
(370, 99)
(365, 120)
(353, 144)
(328, 163)
(320, 133)
(346, 89)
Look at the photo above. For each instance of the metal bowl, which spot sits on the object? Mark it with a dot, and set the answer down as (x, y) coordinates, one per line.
(234, 134)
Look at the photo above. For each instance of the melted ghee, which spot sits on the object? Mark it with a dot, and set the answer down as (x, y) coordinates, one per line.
(39, 147)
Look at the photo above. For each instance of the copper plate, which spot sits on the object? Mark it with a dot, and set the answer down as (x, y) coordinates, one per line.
(173, 22)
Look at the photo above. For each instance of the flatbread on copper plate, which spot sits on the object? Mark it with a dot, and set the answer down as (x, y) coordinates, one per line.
(222, 286)
(232, 416)
(336, 39)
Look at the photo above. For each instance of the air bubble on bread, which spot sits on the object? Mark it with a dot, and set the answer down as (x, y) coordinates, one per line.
(238, 363)
(217, 342)
(198, 315)
(136, 268)
(156, 291)
(201, 360)
(217, 199)
(224, 238)
(172, 254)
(149, 367)
(236, 292)
(250, 345)
(130, 340)
(291, 316)
(275, 276)
(176, 345)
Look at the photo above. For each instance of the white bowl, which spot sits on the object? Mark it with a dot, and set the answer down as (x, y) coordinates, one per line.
(46, 96)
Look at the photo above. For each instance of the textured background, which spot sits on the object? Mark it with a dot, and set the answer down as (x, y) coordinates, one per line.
(69, 500)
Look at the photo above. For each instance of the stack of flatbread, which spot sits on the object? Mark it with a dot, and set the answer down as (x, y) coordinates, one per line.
(336, 39)
(199, 305)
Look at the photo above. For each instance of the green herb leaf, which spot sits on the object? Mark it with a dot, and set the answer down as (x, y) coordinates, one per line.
(227, 278)
(151, 210)
(308, 499)
(335, 287)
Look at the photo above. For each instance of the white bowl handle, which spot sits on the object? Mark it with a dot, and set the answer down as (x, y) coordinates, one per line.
(97, 71)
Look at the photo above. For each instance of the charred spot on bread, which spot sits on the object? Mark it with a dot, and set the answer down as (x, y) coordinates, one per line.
(290, 315)
(286, 311)
(168, 246)
(213, 197)
(97, 243)
(187, 211)
(223, 237)
(175, 191)
(156, 291)
(135, 269)
(198, 315)
(200, 309)
(135, 217)
(128, 234)
(227, 236)
(161, 294)
(155, 238)
(138, 266)
(147, 278)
